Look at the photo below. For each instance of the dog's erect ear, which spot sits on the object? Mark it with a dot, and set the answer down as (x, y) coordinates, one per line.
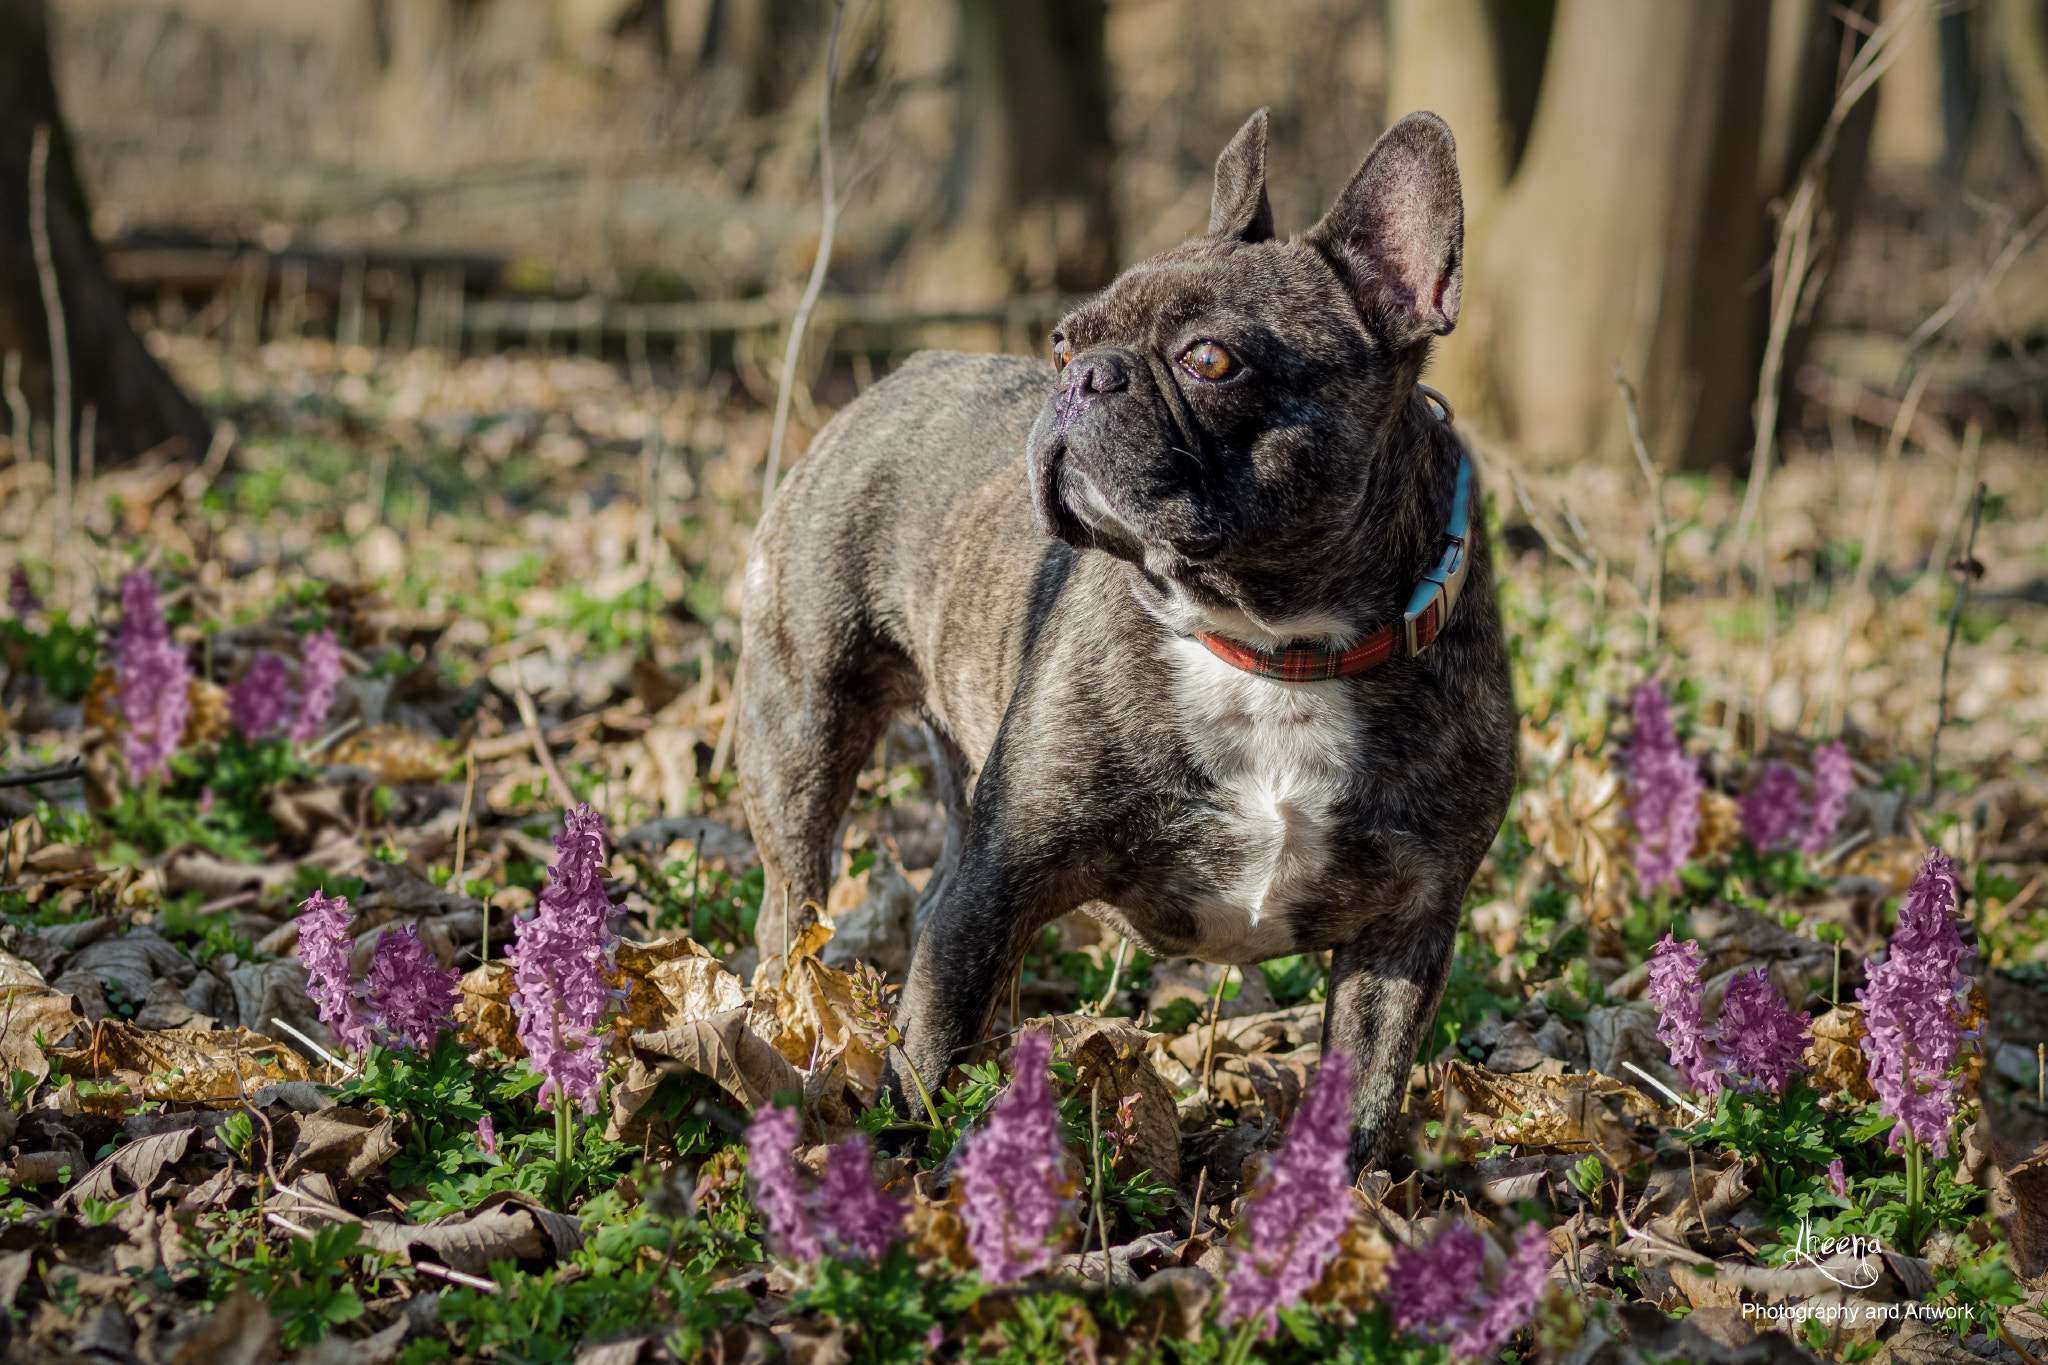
(1239, 207)
(1398, 230)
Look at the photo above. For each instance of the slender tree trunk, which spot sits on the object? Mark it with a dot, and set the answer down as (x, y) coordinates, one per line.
(1029, 189)
(139, 405)
(1634, 227)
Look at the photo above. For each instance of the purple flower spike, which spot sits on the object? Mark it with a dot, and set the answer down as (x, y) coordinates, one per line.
(21, 598)
(487, 1135)
(1914, 1008)
(1298, 1219)
(260, 701)
(1515, 1295)
(320, 670)
(155, 684)
(1013, 1172)
(562, 963)
(324, 946)
(1773, 812)
(1434, 1289)
(1664, 791)
(411, 995)
(1674, 988)
(854, 1215)
(770, 1137)
(1764, 1038)
(1838, 1179)
(1833, 780)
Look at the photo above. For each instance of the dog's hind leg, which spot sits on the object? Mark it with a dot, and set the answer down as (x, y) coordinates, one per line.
(953, 776)
(804, 734)
(1384, 991)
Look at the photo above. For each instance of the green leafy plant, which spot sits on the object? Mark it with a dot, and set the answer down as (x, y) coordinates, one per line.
(307, 1285)
(888, 1310)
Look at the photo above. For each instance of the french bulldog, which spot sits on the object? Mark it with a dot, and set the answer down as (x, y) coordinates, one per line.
(1199, 618)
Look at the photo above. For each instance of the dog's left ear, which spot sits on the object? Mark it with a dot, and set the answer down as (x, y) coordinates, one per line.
(1398, 230)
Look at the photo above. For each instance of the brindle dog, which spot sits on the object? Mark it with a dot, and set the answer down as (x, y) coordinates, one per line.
(1157, 605)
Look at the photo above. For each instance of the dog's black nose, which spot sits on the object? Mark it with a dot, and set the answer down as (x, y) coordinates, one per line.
(1102, 372)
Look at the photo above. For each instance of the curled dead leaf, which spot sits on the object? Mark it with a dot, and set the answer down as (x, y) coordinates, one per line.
(186, 1067)
(1359, 1271)
(1112, 1052)
(1578, 1110)
(1836, 1054)
(484, 1012)
(394, 755)
(722, 1048)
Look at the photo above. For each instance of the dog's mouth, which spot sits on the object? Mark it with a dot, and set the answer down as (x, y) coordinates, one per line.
(1073, 506)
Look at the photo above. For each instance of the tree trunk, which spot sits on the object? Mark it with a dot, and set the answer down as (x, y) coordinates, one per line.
(1029, 187)
(1633, 230)
(139, 406)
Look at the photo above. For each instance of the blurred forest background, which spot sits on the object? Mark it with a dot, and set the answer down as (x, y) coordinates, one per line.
(470, 265)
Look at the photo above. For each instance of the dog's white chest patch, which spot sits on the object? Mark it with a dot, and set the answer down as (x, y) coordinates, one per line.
(1280, 756)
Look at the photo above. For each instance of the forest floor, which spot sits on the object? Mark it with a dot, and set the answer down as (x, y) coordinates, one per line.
(531, 566)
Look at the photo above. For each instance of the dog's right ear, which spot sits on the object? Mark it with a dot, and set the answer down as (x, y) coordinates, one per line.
(1239, 207)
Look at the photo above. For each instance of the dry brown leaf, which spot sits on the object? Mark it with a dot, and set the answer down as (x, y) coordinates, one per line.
(1355, 1277)
(341, 1142)
(1262, 1084)
(1893, 862)
(395, 755)
(206, 713)
(1582, 1109)
(721, 1047)
(484, 1013)
(1576, 817)
(1113, 1052)
(1836, 1054)
(139, 1163)
(240, 1332)
(1720, 825)
(672, 981)
(27, 1013)
(937, 1231)
(814, 1004)
(185, 1067)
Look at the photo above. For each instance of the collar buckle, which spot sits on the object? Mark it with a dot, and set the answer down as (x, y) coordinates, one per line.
(1436, 596)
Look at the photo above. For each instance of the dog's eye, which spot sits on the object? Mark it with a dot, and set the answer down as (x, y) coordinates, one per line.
(1207, 360)
(1062, 350)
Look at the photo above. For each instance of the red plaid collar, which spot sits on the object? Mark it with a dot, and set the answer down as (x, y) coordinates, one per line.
(1429, 610)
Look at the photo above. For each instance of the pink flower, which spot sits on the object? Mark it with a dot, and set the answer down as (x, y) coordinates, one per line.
(206, 800)
(1833, 779)
(1297, 1218)
(1772, 813)
(320, 669)
(1674, 988)
(1013, 1173)
(487, 1135)
(1764, 1038)
(854, 1215)
(155, 684)
(21, 598)
(562, 963)
(770, 1137)
(1914, 1007)
(324, 946)
(411, 995)
(1838, 1179)
(1516, 1293)
(1664, 791)
(1434, 1289)
(261, 699)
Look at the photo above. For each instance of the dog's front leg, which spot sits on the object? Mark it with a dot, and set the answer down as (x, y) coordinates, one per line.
(1383, 994)
(983, 924)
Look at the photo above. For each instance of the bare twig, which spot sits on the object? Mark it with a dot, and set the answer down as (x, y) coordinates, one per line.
(816, 284)
(1669, 1093)
(60, 342)
(1116, 972)
(1792, 260)
(1659, 531)
(1873, 536)
(324, 1054)
(531, 719)
(1955, 619)
(462, 824)
(455, 1276)
(17, 406)
(62, 773)
(1215, 1013)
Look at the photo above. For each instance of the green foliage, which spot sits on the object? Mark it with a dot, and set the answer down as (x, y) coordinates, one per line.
(1980, 1283)
(1295, 980)
(712, 906)
(435, 1094)
(238, 1134)
(888, 1310)
(63, 656)
(307, 1285)
(1780, 1136)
